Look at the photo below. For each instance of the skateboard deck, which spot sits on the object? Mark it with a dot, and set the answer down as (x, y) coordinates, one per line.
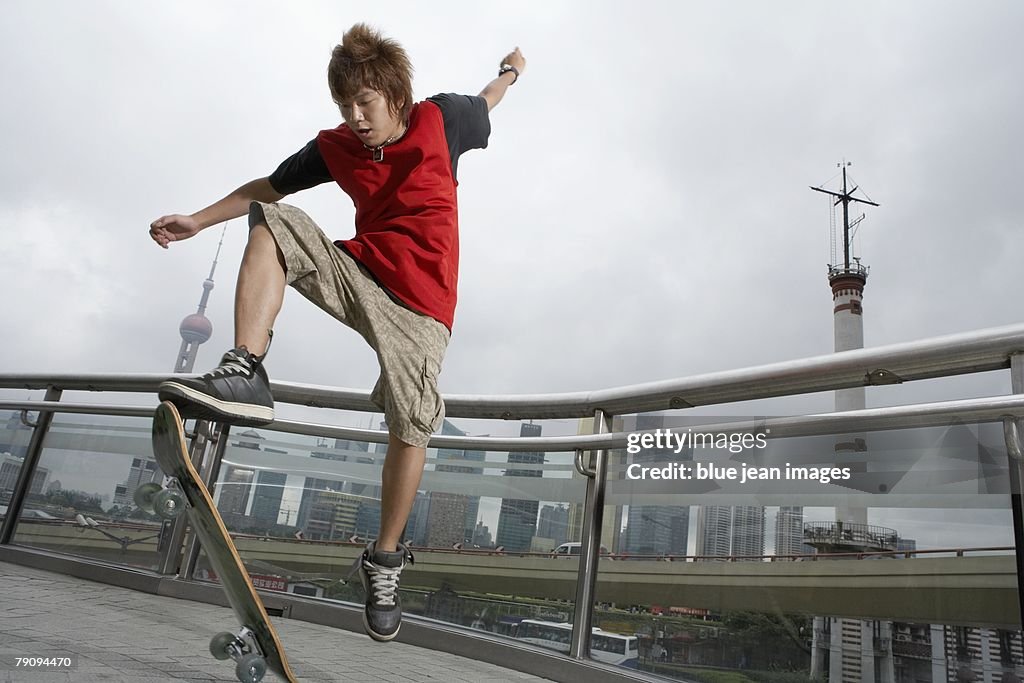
(256, 647)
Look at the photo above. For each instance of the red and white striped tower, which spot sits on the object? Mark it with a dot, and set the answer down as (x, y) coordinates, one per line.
(847, 280)
(848, 318)
(849, 643)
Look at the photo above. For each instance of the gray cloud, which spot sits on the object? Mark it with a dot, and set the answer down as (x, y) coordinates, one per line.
(642, 211)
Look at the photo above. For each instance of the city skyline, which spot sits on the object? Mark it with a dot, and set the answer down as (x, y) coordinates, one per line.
(82, 470)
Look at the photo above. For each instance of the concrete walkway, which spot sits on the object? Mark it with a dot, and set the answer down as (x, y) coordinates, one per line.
(116, 634)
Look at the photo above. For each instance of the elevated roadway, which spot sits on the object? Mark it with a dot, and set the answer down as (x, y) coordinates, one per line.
(976, 589)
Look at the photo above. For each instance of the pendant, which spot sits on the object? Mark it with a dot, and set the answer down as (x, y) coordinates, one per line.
(378, 153)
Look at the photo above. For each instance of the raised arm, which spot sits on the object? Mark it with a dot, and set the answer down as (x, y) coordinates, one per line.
(177, 227)
(495, 90)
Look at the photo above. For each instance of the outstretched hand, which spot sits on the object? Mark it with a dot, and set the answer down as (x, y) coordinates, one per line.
(516, 59)
(173, 228)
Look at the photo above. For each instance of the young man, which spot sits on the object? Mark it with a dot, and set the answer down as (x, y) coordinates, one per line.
(394, 282)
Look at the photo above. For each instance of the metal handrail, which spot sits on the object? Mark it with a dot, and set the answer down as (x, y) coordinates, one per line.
(976, 351)
(937, 414)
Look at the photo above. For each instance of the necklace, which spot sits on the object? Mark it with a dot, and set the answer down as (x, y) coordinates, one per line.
(378, 151)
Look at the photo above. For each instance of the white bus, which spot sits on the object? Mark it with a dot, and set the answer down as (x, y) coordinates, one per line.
(610, 648)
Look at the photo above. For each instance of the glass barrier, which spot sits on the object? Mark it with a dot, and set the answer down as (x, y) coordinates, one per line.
(14, 438)
(80, 499)
(493, 533)
(886, 556)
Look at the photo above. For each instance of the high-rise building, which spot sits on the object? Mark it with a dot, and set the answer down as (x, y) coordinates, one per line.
(368, 518)
(142, 471)
(14, 437)
(482, 536)
(714, 531)
(517, 521)
(332, 516)
(310, 488)
(234, 491)
(553, 523)
(367, 521)
(416, 525)
(452, 517)
(748, 531)
(789, 532)
(266, 500)
(446, 515)
(730, 531)
(655, 529)
(10, 466)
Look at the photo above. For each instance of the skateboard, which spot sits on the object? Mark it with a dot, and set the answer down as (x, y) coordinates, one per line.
(255, 647)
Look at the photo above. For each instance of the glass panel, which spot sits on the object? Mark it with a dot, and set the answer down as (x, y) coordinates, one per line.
(80, 501)
(14, 438)
(492, 532)
(884, 556)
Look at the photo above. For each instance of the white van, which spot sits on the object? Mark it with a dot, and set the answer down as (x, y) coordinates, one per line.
(573, 549)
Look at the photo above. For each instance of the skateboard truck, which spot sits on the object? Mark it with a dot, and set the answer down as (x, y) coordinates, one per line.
(250, 664)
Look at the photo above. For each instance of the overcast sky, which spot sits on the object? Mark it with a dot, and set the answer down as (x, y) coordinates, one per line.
(642, 211)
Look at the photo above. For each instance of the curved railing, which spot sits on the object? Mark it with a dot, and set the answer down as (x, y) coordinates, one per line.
(588, 464)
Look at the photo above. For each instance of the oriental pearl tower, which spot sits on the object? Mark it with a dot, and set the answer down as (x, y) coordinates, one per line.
(197, 328)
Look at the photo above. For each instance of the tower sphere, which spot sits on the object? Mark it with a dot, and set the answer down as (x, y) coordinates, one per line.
(196, 328)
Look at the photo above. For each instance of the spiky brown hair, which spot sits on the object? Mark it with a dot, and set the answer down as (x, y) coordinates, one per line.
(366, 59)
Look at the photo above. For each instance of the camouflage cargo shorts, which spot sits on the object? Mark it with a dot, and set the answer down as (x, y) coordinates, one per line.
(409, 345)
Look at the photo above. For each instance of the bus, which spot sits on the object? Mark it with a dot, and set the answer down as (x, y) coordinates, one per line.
(610, 648)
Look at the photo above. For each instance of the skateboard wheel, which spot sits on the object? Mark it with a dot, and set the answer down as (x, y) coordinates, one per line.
(168, 504)
(144, 495)
(250, 668)
(221, 644)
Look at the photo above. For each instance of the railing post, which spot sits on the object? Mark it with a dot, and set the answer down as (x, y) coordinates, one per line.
(169, 560)
(209, 471)
(28, 468)
(590, 546)
(1016, 479)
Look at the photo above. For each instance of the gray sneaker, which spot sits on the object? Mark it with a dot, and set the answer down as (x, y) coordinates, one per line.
(236, 391)
(379, 572)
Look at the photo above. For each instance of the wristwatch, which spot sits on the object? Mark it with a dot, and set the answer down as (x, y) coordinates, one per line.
(505, 68)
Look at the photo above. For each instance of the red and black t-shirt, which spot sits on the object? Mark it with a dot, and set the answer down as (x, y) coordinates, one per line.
(407, 226)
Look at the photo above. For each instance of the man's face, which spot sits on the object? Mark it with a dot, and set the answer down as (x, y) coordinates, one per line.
(369, 117)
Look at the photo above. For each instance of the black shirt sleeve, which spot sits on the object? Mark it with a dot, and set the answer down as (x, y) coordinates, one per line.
(301, 171)
(467, 124)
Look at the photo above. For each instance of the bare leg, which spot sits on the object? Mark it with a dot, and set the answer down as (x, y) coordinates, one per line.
(260, 290)
(403, 468)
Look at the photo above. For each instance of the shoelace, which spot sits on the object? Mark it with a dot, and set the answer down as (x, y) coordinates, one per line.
(233, 364)
(383, 582)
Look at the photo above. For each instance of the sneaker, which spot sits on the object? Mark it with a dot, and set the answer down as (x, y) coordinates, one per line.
(379, 572)
(236, 391)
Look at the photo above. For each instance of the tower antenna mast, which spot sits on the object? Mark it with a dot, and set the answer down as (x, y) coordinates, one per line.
(844, 198)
